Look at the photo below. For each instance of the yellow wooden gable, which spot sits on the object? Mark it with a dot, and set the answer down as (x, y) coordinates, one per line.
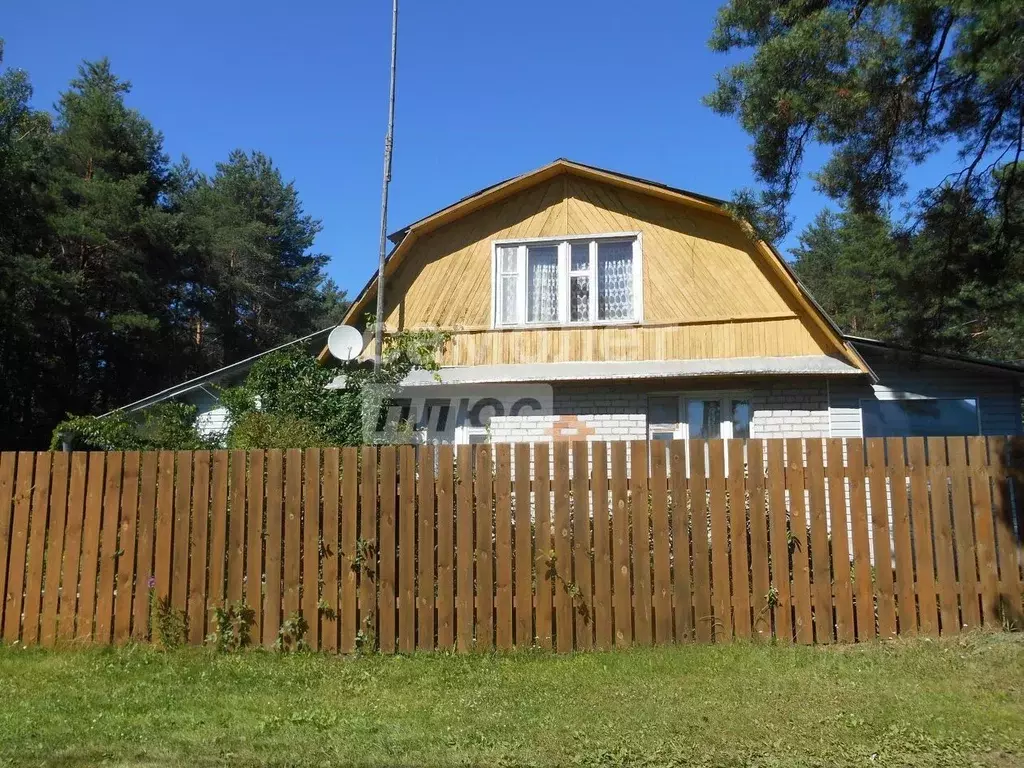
(710, 289)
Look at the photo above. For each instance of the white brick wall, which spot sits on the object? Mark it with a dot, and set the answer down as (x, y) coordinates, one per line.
(619, 411)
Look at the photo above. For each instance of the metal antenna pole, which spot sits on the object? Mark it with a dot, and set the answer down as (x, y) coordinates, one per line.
(388, 144)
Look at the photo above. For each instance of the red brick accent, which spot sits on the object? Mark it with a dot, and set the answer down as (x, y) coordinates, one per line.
(568, 428)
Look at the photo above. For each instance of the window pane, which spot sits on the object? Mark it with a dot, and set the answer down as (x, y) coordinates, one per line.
(477, 438)
(920, 418)
(741, 418)
(542, 283)
(666, 436)
(580, 257)
(507, 259)
(662, 410)
(614, 281)
(508, 298)
(704, 418)
(579, 298)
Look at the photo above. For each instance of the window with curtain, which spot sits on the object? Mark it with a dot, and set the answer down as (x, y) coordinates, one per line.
(698, 416)
(575, 280)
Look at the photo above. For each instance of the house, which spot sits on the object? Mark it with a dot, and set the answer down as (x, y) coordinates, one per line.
(648, 312)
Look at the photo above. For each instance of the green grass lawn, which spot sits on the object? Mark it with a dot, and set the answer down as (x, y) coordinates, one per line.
(949, 703)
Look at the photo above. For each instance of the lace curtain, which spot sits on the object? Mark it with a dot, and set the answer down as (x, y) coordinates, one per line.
(542, 284)
(509, 283)
(614, 281)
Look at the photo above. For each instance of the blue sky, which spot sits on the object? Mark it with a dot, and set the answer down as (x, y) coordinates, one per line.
(486, 90)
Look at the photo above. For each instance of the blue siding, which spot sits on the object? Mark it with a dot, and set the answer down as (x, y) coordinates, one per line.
(904, 376)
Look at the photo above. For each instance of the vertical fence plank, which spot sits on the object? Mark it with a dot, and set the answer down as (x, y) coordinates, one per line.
(823, 623)
(963, 532)
(180, 536)
(981, 507)
(661, 541)
(329, 550)
(8, 462)
(524, 548)
(759, 574)
(903, 552)
(841, 563)
(938, 476)
(640, 518)
(1015, 449)
(464, 553)
(602, 547)
(311, 546)
(622, 583)
(799, 555)
(55, 545)
(348, 614)
(886, 604)
(254, 528)
(781, 571)
(236, 526)
(274, 531)
(563, 551)
(425, 549)
(543, 544)
(368, 542)
(218, 530)
(1006, 540)
(704, 619)
(738, 538)
(863, 581)
(200, 538)
(292, 532)
(503, 546)
(144, 568)
(126, 567)
(388, 550)
(13, 597)
(446, 548)
(484, 558)
(37, 549)
(407, 548)
(682, 589)
(720, 575)
(583, 601)
(91, 543)
(922, 522)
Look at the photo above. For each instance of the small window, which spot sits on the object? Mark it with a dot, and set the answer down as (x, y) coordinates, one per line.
(577, 280)
(920, 417)
(699, 416)
(741, 418)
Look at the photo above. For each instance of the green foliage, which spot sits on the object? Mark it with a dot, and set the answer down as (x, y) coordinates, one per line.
(284, 402)
(168, 622)
(878, 281)
(232, 627)
(120, 275)
(291, 636)
(882, 86)
(166, 426)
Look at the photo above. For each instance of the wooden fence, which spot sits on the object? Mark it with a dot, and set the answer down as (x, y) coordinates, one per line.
(556, 545)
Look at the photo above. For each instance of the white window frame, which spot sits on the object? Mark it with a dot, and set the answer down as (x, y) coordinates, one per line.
(682, 424)
(563, 244)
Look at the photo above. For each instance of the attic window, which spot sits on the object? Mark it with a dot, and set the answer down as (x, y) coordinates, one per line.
(591, 279)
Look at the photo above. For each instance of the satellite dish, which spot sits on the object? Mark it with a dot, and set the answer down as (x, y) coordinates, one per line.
(345, 342)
